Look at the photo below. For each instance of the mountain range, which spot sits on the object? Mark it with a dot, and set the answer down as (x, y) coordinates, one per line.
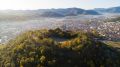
(108, 10)
(68, 12)
(30, 14)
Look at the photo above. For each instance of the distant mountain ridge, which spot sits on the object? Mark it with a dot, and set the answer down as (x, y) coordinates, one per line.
(108, 10)
(69, 12)
(4, 14)
(63, 12)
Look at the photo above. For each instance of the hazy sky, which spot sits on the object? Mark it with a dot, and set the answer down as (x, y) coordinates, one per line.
(43, 4)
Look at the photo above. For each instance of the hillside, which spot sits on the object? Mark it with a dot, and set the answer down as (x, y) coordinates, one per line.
(40, 48)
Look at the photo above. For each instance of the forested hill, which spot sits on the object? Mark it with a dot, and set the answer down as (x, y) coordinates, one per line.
(43, 48)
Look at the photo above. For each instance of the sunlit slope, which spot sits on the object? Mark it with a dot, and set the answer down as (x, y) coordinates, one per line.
(41, 49)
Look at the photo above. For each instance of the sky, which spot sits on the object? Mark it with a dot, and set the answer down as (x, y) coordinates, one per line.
(48, 4)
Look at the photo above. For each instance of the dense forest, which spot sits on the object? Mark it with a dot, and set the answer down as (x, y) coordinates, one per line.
(58, 48)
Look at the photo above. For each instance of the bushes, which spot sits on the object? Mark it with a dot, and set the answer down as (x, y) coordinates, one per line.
(38, 49)
(59, 33)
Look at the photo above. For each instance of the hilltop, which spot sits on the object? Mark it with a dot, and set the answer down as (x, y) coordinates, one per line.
(40, 48)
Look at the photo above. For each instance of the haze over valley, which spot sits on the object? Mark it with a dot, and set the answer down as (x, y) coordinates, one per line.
(13, 22)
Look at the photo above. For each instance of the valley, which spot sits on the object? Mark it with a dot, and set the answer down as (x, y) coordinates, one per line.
(88, 23)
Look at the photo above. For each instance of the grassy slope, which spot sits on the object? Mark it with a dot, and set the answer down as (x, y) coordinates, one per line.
(113, 43)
